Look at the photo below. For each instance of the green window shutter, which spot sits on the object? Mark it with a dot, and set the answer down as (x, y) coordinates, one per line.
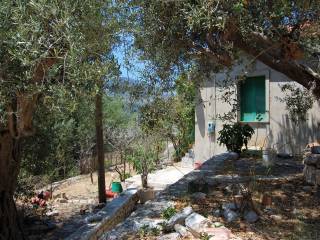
(253, 99)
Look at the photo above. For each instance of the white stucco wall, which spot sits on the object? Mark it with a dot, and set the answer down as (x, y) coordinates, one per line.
(279, 132)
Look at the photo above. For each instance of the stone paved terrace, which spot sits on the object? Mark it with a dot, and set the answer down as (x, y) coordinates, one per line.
(160, 179)
(150, 213)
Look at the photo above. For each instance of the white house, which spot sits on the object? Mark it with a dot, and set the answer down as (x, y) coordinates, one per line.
(259, 106)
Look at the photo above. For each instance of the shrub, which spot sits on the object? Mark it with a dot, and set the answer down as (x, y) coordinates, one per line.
(234, 136)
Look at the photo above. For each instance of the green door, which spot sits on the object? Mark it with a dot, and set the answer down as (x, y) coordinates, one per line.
(253, 99)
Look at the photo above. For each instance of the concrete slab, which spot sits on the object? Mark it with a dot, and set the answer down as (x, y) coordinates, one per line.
(160, 179)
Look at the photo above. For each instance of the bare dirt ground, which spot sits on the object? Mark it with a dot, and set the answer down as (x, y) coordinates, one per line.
(294, 212)
(293, 215)
(66, 211)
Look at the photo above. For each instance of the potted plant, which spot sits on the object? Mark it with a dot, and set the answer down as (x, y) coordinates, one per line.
(235, 136)
(144, 161)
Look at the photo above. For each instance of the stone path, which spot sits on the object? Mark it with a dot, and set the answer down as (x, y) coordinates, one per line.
(160, 179)
(150, 213)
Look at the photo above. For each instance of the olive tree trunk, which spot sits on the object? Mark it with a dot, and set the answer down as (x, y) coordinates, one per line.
(10, 225)
(144, 180)
(100, 150)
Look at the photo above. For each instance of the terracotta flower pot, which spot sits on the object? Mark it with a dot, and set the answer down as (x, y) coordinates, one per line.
(146, 194)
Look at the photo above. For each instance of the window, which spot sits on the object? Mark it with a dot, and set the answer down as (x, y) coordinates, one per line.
(253, 99)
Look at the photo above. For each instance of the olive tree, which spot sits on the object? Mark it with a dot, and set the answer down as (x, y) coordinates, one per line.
(282, 34)
(44, 46)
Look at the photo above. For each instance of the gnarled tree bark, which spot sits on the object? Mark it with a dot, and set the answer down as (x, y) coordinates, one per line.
(17, 125)
(10, 225)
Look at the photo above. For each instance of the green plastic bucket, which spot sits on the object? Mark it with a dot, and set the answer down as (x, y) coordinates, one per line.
(116, 187)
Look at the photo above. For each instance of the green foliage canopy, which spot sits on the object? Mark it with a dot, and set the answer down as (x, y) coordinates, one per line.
(212, 33)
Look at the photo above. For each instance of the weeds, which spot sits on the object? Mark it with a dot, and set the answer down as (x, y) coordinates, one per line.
(147, 231)
(168, 212)
(205, 236)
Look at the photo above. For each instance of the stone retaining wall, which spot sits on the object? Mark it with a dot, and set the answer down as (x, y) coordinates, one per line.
(311, 169)
(112, 214)
(66, 182)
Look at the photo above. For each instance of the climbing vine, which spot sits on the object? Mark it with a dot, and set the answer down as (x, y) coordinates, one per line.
(298, 102)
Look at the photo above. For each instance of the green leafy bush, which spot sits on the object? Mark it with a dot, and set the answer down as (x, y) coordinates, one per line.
(234, 136)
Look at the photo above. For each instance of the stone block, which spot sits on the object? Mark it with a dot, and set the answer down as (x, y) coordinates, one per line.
(196, 223)
(52, 213)
(251, 216)
(217, 213)
(179, 218)
(183, 231)
(312, 159)
(231, 206)
(198, 197)
(113, 213)
(220, 233)
(276, 217)
(170, 236)
(315, 149)
(309, 173)
(230, 215)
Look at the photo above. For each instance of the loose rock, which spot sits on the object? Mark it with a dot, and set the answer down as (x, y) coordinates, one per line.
(312, 159)
(217, 213)
(150, 223)
(183, 231)
(230, 206)
(251, 217)
(179, 218)
(170, 236)
(198, 197)
(52, 213)
(230, 215)
(196, 223)
(315, 149)
(221, 233)
(276, 217)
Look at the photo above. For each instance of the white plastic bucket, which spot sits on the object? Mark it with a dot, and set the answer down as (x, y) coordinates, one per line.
(267, 157)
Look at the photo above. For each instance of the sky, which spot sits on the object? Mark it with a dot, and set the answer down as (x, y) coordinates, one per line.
(135, 66)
